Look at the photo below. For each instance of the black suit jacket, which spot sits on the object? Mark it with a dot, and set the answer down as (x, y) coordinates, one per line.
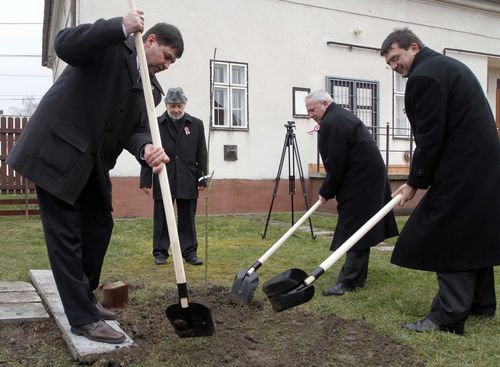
(91, 113)
(187, 151)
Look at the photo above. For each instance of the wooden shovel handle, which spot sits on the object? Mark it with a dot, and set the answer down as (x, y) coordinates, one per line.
(180, 275)
(283, 238)
(351, 241)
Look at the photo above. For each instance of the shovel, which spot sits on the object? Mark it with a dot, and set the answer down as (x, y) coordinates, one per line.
(246, 280)
(188, 319)
(294, 287)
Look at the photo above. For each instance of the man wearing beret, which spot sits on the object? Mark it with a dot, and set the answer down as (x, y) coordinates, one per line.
(183, 138)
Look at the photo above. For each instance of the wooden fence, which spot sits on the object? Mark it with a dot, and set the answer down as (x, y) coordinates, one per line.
(12, 183)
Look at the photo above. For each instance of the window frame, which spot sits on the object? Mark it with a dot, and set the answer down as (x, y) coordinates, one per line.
(229, 85)
(399, 94)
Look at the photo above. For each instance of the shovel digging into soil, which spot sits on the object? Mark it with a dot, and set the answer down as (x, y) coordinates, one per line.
(246, 280)
(188, 319)
(294, 287)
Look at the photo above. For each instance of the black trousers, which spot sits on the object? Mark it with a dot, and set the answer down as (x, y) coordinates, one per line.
(462, 294)
(77, 237)
(186, 211)
(355, 268)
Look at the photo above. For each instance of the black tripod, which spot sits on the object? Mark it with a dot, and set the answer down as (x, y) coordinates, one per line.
(290, 141)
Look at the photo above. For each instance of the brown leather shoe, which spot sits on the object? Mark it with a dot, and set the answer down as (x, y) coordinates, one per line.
(100, 332)
(106, 313)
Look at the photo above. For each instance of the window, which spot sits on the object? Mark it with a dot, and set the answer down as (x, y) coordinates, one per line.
(359, 97)
(401, 125)
(230, 95)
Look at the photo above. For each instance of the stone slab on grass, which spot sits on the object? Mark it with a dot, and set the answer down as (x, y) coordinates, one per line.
(19, 302)
(17, 312)
(19, 297)
(81, 348)
(16, 287)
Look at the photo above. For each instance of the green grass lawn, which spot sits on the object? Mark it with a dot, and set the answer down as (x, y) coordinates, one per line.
(392, 295)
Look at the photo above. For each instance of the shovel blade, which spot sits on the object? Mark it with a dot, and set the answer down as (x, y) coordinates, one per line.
(287, 290)
(192, 321)
(244, 287)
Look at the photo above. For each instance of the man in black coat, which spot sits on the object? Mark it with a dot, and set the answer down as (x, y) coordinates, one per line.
(453, 231)
(183, 138)
(94, 110)
(356, 176)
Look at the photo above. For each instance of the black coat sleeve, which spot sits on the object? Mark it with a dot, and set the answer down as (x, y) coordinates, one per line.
(75, 45)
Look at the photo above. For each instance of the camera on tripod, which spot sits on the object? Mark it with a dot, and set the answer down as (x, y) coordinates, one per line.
(290, 147)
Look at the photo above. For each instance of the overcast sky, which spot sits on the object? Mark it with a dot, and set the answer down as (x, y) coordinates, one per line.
(20, 36)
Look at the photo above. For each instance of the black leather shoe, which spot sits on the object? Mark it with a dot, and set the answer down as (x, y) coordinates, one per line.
(106, 313)
(423, 325)
(100, 332)
(426, 325)
(160, 260)
(338, 289)
(194, 260)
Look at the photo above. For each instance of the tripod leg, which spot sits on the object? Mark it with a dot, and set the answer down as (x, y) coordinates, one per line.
(291, 178)
(275, 190)
(303, 184)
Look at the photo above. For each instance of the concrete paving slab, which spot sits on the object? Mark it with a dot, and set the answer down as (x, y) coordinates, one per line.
(16, 287)
(81, 348)
(12, 313)
(19, 297)
(20, 302)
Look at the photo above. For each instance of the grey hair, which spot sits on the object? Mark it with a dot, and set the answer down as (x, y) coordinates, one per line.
(319, 96)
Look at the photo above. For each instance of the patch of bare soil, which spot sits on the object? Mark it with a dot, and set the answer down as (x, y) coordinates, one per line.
(252, 335)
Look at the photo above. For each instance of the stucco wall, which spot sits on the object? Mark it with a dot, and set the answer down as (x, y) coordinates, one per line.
(284, 44)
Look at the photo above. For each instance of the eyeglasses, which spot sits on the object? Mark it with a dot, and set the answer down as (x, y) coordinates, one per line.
(393, 60)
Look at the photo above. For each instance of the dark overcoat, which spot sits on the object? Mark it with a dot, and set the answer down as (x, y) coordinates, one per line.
(457, 157)
(91, 113)
(356, 176)
(187, 150)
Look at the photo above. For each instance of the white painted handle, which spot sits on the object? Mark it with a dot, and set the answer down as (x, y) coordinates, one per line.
(278, 243)
(180, 275)
(337, 254)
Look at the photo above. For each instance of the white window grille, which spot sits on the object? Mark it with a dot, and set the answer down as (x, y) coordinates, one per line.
(230, 95)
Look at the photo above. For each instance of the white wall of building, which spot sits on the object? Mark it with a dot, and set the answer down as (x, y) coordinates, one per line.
(284, 44)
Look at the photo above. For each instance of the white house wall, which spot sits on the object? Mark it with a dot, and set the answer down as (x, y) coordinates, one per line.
(284, 44)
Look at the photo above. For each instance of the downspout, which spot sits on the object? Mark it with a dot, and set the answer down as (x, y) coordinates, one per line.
(47, 21)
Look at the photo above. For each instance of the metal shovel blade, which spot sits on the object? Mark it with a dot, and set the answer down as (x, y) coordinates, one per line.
(244, 287)
(287, 290)
(192, 321)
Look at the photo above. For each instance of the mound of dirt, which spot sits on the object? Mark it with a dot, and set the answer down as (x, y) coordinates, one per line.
(252, 335)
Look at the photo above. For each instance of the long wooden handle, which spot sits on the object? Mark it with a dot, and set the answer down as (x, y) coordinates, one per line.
(337, 254)
(180, 275)
(283, 238)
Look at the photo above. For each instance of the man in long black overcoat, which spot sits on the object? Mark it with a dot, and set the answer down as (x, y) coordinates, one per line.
(183, 138)
(94, 110)
(453, 231)
(356, 176)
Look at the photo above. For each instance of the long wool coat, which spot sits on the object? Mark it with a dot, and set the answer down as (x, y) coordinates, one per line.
(455, 227)
(187, 151)
(93, 111)
(356, 176)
